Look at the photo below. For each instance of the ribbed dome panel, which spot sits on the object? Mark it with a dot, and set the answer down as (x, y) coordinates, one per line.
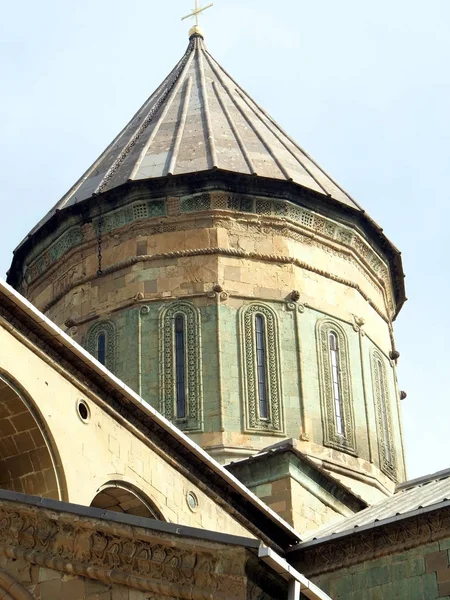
(200, 118)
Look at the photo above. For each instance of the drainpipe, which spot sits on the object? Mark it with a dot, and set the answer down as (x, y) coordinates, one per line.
(297, 582)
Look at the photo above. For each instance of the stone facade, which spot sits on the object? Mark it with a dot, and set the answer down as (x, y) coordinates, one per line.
(219, 255)
(111, 444)
(292, 485)
(400, 558)
(49, 551)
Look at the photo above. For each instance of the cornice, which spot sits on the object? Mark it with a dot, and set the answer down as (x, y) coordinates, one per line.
(218, 251)
(222, 181)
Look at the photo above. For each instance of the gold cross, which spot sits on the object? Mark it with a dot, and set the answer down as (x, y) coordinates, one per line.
(196, 11)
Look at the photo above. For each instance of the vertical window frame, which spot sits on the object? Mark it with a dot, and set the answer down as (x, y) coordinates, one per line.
(263, 392)
(383, 413)
(180, 367)
(253, 422)
(193, 419)
(345, 441)
(108, 330)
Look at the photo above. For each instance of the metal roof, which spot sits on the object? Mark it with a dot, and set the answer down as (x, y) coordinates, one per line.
(200, 119)
(424, 493)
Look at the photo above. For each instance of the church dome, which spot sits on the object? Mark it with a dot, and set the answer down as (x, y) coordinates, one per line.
(214, 267)
(200, 119)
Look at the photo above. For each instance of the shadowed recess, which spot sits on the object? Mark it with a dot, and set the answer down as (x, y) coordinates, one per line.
(26, 464)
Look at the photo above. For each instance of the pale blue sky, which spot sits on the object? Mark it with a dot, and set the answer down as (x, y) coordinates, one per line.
(363, 86)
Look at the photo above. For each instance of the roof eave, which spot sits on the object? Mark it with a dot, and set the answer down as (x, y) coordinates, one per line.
(236, 182)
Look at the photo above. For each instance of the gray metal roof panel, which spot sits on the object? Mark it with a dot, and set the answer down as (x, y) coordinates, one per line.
(427, 492)
(197, 119)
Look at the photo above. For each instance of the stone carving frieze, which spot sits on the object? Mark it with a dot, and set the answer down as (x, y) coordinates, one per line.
(100, 551)
(69, 239)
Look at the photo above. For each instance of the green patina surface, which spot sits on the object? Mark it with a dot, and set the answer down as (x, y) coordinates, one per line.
(404, 576)
(222, 374)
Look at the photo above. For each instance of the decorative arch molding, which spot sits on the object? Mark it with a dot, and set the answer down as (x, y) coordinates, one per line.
(346, 439)
(193, 385)
(123, 497)
(52, 459)
(13, 590)
(274, 422)
(108, 329)
(386, 448)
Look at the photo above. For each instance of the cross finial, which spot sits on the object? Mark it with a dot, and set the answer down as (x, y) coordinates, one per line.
(195, 14)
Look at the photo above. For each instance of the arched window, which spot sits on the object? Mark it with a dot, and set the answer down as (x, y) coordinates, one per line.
(261, 369)
(181, 377)
(101, 348)
(335, 387)
(101, 343)
(121, 497)
(334, 356)
(261, 366)
(180, 366)
(383, 412)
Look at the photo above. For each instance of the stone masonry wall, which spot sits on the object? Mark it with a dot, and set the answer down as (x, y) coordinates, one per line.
(419, 574)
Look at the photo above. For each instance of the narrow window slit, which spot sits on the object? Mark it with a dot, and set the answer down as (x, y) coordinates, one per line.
(101, 348)
(261, 361)
(334, 356)
(180, 366)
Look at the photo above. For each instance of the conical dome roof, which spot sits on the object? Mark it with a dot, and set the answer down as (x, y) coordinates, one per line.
(200, 119)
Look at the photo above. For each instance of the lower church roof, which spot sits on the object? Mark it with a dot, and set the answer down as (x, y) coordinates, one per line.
(420, 495)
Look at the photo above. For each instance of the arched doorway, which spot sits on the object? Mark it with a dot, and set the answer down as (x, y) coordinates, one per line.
(27, 462)
(121, 497)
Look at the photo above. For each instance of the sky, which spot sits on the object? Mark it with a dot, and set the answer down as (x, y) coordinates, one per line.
(364, 87)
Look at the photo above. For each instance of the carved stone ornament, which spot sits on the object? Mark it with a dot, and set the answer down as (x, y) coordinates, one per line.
(193, 365)
(346, 441)
(159, 563)
(388, 462)
(218, 292)
(275, 422)
(358, 323)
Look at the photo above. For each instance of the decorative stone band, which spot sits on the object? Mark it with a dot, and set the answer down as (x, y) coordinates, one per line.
(372, 542)
(69, 239)
(273, 258)
(262, 215)
(132, 555)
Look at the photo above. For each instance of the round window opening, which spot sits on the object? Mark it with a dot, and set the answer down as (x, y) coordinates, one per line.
(83, 411)
(192, 501)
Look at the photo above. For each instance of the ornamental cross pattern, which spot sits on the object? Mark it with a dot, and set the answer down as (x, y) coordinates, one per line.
(197, 11)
